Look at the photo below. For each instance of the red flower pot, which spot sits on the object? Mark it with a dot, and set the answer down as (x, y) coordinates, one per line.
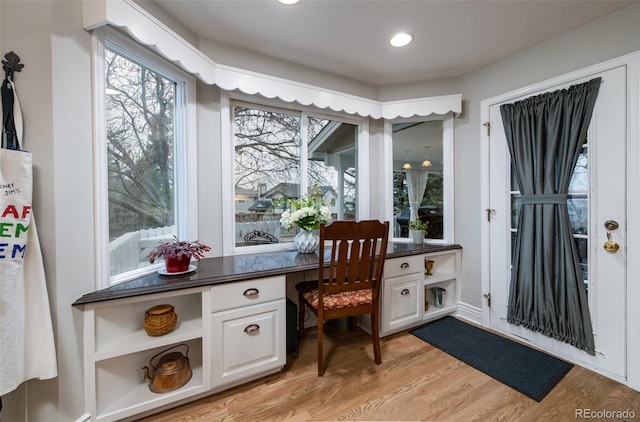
(177, 264)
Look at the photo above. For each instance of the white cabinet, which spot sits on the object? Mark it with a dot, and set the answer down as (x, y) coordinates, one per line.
(117, 347)
(235, 332)
(248, 326)
(401, 294)
(408, 294)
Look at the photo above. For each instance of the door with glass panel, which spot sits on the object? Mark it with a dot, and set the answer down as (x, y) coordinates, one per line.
(597, 210)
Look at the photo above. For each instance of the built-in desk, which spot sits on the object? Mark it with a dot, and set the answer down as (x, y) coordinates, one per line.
(231, 316)
(212, 271)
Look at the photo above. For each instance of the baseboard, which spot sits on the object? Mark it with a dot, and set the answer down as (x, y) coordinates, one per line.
(470, 313)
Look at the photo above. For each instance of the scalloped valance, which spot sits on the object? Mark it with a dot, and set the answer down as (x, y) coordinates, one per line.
(146, 29)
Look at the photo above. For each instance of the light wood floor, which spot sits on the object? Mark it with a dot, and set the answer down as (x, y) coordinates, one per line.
(415, 382)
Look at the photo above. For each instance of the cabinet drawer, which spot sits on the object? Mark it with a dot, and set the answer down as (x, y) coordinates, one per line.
(248, 342)
(250, 292)
(406, 265)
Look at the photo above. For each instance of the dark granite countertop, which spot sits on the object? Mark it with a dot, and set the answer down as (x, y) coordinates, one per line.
(226, 269)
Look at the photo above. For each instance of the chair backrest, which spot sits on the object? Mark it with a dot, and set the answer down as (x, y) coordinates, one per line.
(356, 255)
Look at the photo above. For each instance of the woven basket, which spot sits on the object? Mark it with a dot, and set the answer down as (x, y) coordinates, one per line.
(160, 320)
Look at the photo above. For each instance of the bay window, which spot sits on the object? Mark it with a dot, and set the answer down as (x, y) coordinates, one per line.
(142, 177)
(278, 156)
(422, 176)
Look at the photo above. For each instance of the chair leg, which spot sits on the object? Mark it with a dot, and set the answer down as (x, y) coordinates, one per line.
(353, 320)
(320, 353)
(301, 309)
(375, 337)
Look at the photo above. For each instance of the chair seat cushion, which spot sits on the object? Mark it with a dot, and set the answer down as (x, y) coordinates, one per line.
(340, 300)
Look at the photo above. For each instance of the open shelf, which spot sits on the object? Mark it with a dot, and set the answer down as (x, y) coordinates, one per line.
(122, 391)
(139, 340)
(438, 277)
(449, 298)
(119, 329)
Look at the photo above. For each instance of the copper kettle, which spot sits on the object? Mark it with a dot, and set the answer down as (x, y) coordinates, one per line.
(171, 372)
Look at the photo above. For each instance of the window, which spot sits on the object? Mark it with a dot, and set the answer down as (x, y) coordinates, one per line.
(144, 146)
(577, 205)
(422, 157)
(279, 155)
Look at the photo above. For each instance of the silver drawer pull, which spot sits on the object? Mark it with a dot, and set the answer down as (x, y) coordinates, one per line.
(404, 265)
(253, 328)
(251, 292)
(405, 292)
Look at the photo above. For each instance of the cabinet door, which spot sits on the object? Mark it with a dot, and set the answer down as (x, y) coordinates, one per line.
(248, 342)
(402, 303)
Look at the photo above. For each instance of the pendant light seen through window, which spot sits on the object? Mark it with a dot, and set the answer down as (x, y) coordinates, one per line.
(407, 164)
(426, 162)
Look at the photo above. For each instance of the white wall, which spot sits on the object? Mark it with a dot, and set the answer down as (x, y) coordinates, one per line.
(209, 168)
(34, 80)
(71, 198)
(376, 165)
(612, 36)
(55, 91)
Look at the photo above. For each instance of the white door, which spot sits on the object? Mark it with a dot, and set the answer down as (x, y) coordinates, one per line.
(597, 194)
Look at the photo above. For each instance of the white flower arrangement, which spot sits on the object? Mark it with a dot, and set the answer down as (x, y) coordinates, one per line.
(308, 215)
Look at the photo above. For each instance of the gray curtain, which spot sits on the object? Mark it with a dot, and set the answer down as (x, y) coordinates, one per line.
(545, 134)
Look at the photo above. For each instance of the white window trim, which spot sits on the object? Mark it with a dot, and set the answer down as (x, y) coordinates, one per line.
(186, 171)
(226, 128)
(448, 173)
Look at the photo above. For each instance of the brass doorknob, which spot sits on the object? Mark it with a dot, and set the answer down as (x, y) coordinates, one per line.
(611, 246)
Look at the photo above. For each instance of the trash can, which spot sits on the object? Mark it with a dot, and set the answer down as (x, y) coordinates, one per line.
(292, 327)
(438, 296)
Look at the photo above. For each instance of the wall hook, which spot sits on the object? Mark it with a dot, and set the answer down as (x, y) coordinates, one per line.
(11, 64)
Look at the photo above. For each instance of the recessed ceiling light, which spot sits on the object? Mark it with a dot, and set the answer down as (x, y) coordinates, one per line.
(401, 39)
(289, 2)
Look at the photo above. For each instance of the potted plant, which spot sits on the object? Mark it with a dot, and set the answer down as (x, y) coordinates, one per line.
(178, 253)
(418, 231)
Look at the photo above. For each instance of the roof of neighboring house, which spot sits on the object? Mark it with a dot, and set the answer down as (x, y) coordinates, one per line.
(292, 190)
(260, 206)
(287, 190)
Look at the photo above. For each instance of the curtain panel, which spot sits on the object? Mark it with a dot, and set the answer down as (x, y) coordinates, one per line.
(545, 135)
(416, 184)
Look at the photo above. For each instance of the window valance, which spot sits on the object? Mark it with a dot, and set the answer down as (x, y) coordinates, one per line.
(146, 29)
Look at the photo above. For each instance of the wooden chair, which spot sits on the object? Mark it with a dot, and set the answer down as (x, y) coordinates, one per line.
(351, 280)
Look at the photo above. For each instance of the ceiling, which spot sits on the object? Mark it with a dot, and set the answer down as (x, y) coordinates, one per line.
(349, 37)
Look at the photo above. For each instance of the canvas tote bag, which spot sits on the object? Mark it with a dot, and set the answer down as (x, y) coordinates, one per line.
(27, 348)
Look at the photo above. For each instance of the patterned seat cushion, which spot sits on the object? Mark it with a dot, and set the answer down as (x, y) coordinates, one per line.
(340, 300)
